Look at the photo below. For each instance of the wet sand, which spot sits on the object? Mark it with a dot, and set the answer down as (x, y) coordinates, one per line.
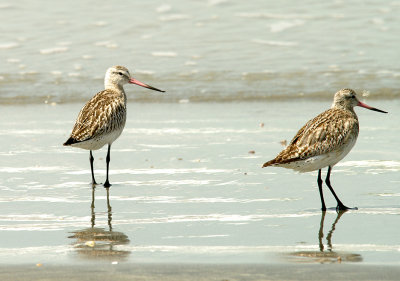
(187, 188)
(200, 272)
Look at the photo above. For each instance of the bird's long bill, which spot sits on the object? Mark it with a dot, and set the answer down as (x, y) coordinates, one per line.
(369, 107)
(134, 81)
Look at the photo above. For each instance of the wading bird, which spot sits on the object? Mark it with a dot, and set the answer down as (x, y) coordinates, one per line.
(324, 141)
(103, 117)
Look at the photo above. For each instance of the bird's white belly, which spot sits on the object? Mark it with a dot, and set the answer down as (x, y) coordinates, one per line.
(321, 161)
(99, 141)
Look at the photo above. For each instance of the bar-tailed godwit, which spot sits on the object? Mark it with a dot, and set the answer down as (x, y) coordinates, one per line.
(324, 141)
(103, 117)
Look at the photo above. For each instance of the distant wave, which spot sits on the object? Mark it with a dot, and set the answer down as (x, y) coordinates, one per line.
(57, 87)
(164, 54)
(273, 15)
(53, 50)
(275, 43)
(174, 17)
(8, 45)
(254, 96)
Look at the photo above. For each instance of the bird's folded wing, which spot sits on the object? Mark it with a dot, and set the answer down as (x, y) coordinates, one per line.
(95, 118)
(325, 133)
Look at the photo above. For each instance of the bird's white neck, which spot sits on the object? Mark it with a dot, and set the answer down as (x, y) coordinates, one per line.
(113, 86)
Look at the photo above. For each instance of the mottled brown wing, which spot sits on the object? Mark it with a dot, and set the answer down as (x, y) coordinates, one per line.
(323, 134)
(99, 115)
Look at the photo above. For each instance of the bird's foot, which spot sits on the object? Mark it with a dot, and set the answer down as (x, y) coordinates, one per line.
(94, 183)
(343, 208)
(107, 184)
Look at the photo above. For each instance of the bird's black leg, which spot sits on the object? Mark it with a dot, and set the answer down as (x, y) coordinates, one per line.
(340, 206)
(107, 183)
(319, 181)
(91, 159)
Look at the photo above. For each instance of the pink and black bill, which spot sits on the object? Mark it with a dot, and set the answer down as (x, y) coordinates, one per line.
(134, 81)
(369, 107)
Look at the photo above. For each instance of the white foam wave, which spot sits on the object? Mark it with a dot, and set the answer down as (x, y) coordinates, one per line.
(64, 43)
(56, 72)
(100, 23)
(36, 251)
(380, 211)
(227, 218)
(216, 2)
(30, 72)
(166, 182)
(162, 145)
(30, 132)
(30, 169)
(273, 16)
(74, 74)
(283, 25)
(13, 60)
(51, 226)
(41, 199)
(206, 131)
(275, 43)
(176, 200)
(146, 72)
(217, 250)
(157, 171)
(8, 45)
(71, 184)
(54, 50)
(174, 17)
(389, 194)
(163, 8)
(5, 6)
(39, 217)
(164, 54)
(190, 63)
(371, 164)
(107, 44)
(42, 222)
(196, 236)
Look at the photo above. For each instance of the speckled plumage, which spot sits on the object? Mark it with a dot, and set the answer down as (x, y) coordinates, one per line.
(331, 131)
(324, 141)
(102, 119)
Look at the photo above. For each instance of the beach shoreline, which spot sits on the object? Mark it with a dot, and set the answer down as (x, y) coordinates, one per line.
(188, 186)
(199, 272)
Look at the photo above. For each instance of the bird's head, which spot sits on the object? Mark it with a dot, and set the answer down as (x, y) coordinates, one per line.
(347, 99)
(117, 76)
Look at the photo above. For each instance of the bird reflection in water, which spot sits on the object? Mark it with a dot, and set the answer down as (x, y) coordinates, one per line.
(100, 243)
(325, 255)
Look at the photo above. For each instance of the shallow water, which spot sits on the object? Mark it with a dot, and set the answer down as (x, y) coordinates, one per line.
(186, 189)
(215, 50)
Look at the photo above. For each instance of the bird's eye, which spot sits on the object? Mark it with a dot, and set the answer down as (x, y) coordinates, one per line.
(120, 73)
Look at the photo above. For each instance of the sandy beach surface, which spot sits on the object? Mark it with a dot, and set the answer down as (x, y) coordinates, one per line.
(189, 199)
(178, 272)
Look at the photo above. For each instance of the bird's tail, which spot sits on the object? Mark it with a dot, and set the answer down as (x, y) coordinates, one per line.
(70, 141)
(269, 163)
